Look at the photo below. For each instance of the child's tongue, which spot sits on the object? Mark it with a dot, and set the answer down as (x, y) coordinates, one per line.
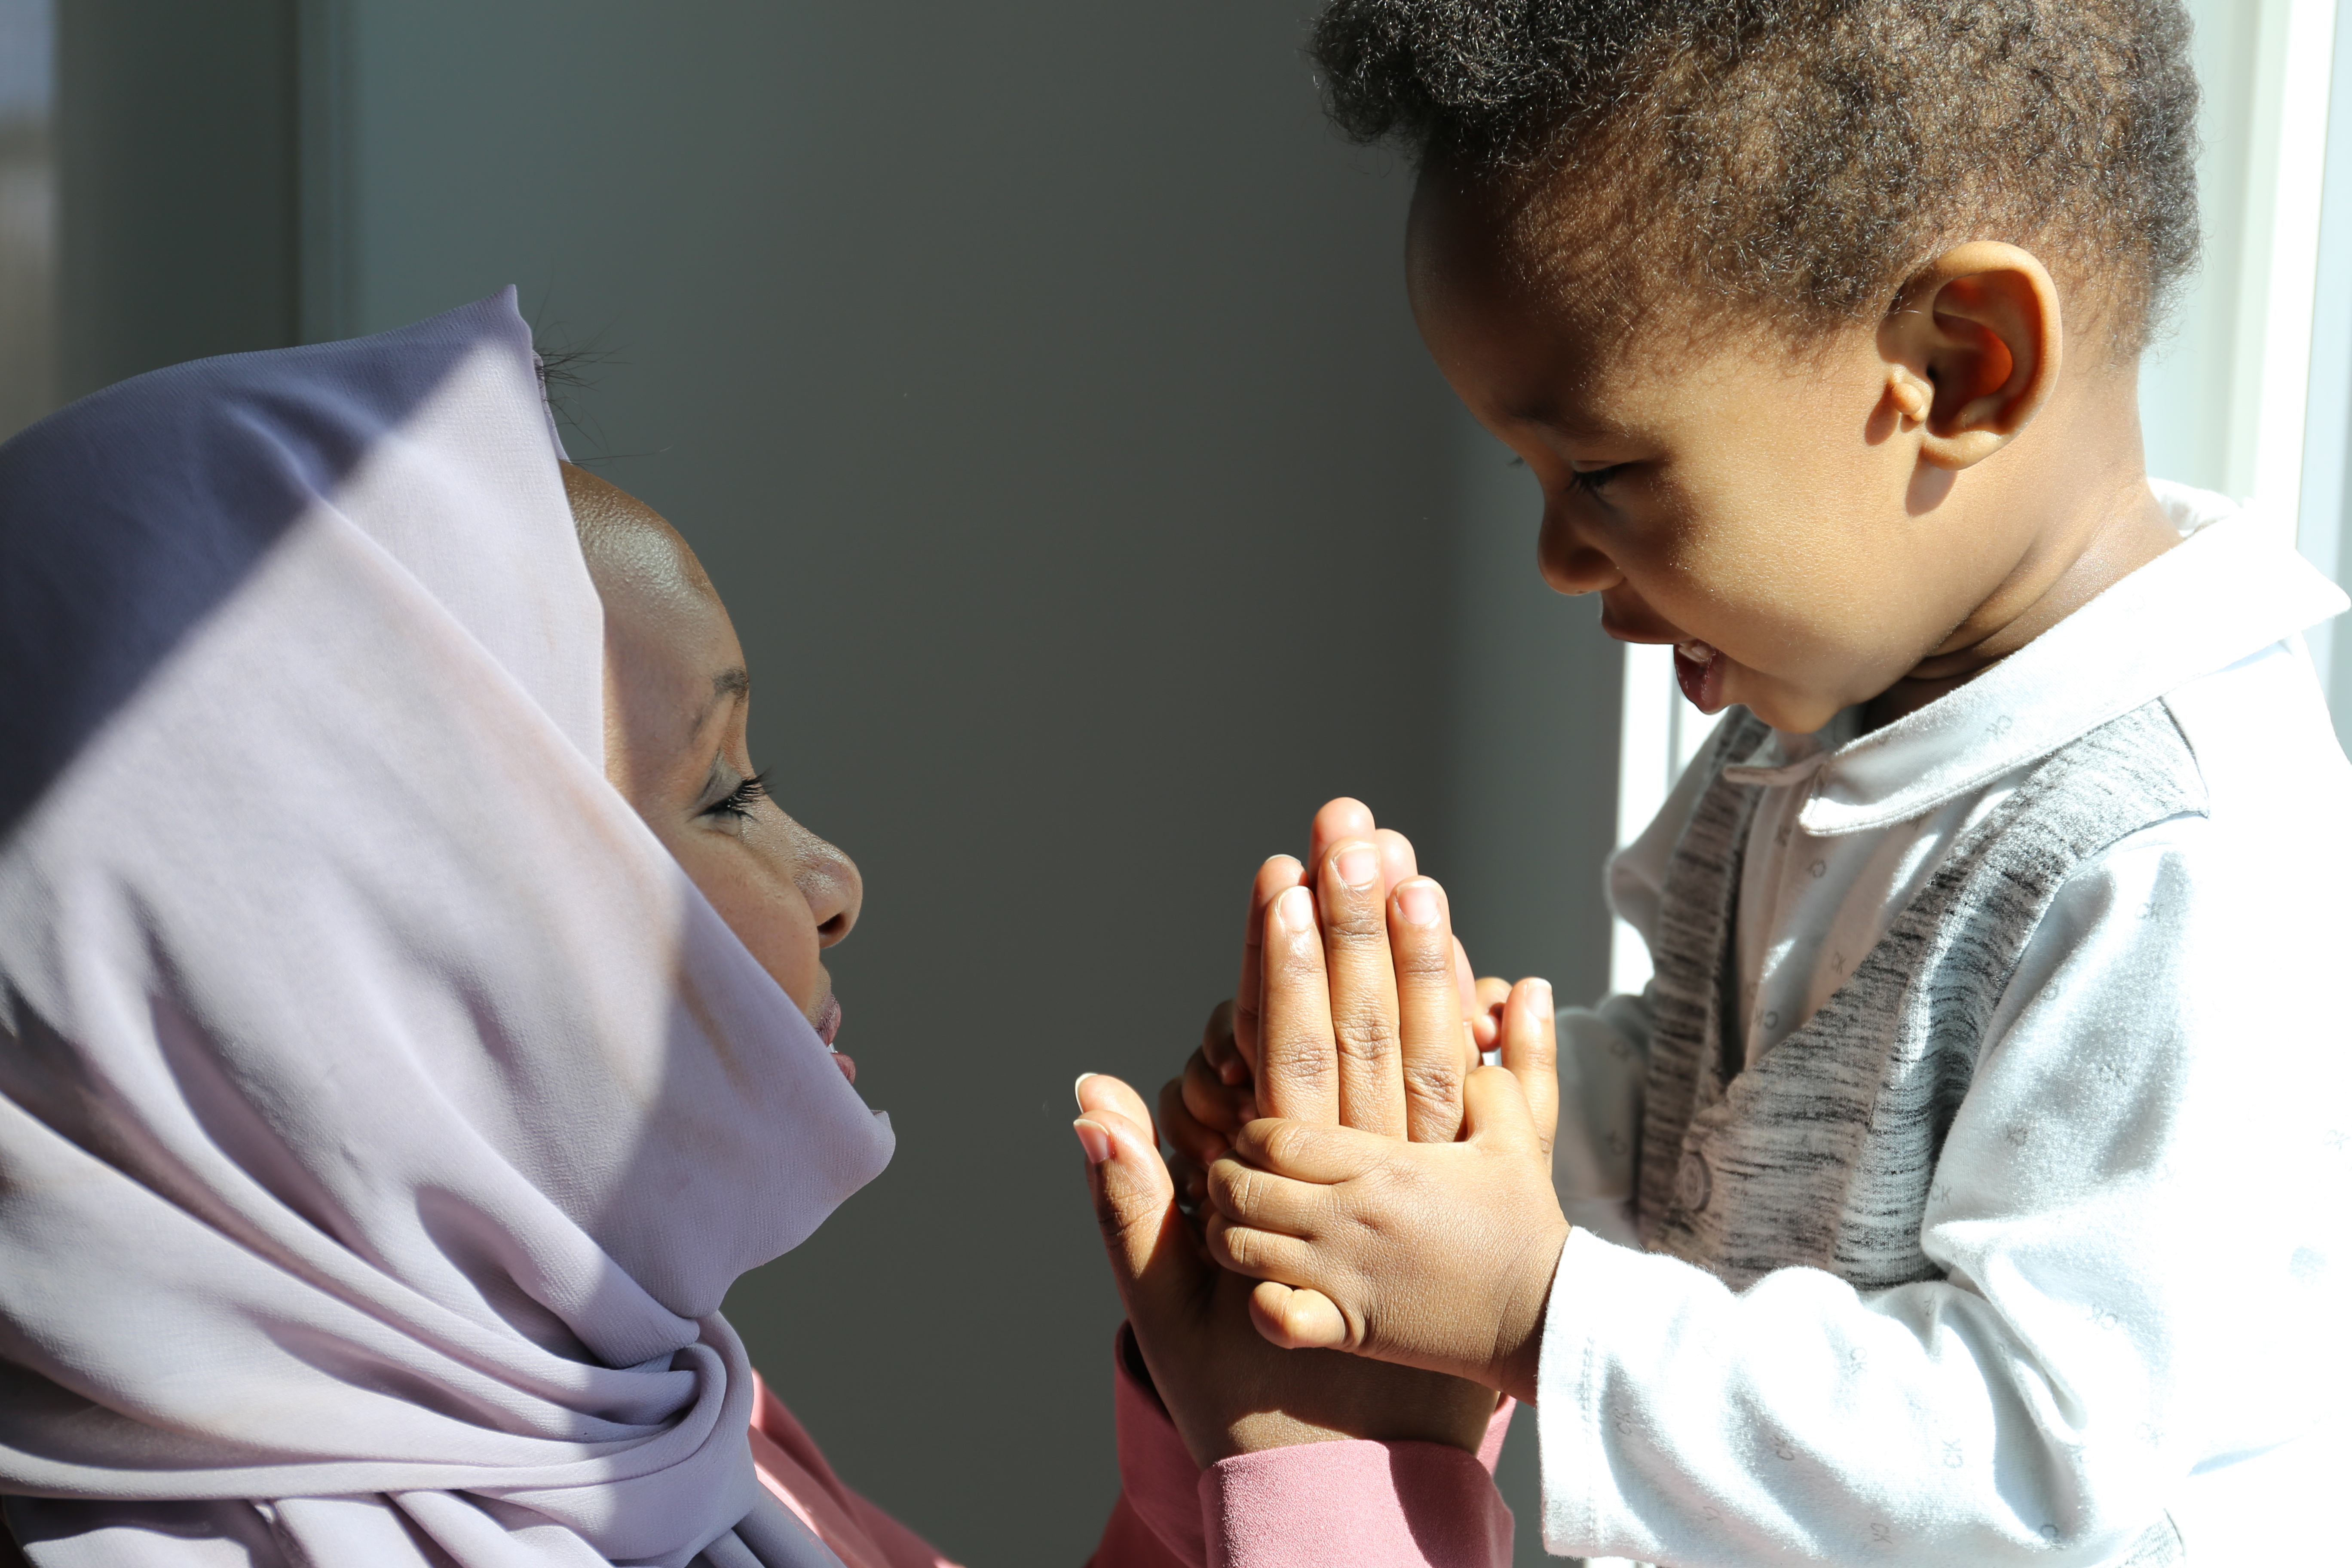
(1699, 670)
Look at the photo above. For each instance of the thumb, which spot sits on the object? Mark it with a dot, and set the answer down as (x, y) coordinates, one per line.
(1297, 1319)
(1152, 1257)
(1531, 1052)
(1495, 1111)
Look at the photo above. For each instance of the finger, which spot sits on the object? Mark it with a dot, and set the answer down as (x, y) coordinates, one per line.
(1100, 1091)
(1309, 1151)
(1276, 874)
(1151, 1258)
(1260, 1254)
(1531, 1054)
(1194, 1144)
(1340, 819)
(1245, 1194)
(1429, 1011)
(1363, 989)
(1494, 1110)
(1224, 1059)
(1297, 1319)
(1297, 1070)
(1397, 858)
(1221, 1107)
(1487, 996)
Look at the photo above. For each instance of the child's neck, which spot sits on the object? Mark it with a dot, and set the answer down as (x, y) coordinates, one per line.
(2080, 473)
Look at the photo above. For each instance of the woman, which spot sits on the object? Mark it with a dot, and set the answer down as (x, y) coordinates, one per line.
(412, 1019)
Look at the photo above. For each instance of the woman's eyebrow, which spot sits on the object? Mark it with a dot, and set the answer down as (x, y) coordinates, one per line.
(732, 681)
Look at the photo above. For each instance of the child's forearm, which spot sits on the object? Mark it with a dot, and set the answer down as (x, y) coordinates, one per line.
(1798, 1422)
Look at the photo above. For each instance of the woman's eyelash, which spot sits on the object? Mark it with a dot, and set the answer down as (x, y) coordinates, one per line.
(739, 800)
(1591, 480)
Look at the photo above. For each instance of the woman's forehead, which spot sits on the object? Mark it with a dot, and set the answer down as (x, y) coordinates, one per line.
(662, 616)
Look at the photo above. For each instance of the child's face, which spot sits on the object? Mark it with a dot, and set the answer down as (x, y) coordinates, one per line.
(1769, 515)
(677, 709)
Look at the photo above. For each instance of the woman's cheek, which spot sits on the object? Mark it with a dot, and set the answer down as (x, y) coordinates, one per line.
(768, 916)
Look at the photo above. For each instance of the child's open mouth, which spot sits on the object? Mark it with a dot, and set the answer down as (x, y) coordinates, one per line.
(1699, 670)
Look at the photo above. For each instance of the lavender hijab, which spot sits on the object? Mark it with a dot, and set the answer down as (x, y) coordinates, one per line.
(382, 1114)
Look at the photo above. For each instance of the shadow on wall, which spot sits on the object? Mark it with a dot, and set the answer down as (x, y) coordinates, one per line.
(1037, 384)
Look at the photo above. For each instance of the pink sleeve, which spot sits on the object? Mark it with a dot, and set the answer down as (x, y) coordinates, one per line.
(1371, 1505)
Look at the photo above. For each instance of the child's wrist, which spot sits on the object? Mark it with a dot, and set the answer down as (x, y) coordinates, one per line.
(1526, 1306)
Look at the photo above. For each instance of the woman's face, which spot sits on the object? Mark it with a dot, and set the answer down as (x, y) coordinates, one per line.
(677, 707)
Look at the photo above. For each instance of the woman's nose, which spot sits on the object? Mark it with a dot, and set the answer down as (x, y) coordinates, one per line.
(830, 882)
(1568, 563)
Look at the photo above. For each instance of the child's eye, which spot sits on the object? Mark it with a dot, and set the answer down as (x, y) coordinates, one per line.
(737, 803)
(1591, 480)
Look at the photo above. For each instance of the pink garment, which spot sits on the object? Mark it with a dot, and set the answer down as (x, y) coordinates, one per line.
(1369, 1505)
(790, 1465)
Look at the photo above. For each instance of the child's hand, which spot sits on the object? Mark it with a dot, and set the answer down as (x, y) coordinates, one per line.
(1226, 1388)
(1436, 1255)
(1203, 1110)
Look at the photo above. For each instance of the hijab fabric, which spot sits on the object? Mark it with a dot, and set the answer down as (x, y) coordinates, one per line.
(383, 1113)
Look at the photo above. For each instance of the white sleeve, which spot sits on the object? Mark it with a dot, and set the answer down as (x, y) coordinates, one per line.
(2124, 1303)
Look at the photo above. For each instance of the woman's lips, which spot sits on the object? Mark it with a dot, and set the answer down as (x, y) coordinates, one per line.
(828, 1025)
(1699, 670)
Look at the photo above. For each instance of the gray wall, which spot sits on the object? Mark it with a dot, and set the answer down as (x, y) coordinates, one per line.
(1037, 382)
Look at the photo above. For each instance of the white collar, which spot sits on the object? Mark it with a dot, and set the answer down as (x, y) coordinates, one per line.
(2226, 591)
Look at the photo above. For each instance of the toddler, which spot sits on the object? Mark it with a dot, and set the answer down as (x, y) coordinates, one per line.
(1967, 1185)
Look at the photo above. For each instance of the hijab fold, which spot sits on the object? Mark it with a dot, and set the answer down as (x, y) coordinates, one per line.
(382, 1114)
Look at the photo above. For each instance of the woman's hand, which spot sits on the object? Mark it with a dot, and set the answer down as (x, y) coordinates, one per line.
(1228, 1390)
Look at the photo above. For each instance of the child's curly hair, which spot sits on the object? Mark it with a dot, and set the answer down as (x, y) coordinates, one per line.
(1803, 155)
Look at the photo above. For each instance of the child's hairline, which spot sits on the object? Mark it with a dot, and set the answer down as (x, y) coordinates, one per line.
(2115, 325)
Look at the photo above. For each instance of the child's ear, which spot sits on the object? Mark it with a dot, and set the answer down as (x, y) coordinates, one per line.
(1972, 349)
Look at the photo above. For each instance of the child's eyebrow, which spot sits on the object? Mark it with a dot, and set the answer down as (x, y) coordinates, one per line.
(732, 681)
(1549, 414)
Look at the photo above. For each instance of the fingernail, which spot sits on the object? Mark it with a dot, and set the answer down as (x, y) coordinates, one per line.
(1295, 911)
(1080, 1084)
(1417, 902)
(1248, 1112)
(1543, 995)
(1358, 865)
(1093, 1140)
(1230, 1073)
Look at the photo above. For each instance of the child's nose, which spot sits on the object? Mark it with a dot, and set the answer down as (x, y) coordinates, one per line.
(1568, 564)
